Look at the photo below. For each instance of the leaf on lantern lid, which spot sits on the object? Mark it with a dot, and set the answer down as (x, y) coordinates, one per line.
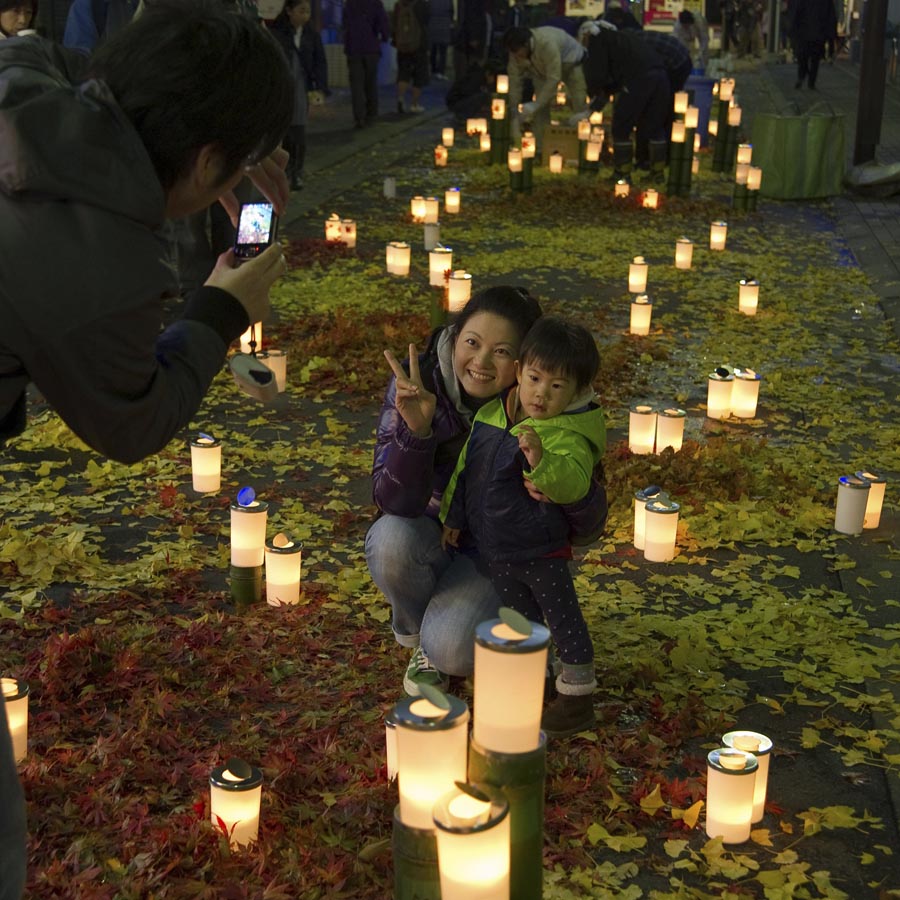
(473, 791)
(238, 768)
(516, 621)
(246, 495)
(281, 540)
(434, 696)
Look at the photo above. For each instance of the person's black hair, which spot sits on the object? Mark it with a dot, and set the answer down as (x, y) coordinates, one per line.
(514, 304)
(7, 5)
(188, 73)
(516, 38)
(290, 4)
(686, 17)
(562, 347)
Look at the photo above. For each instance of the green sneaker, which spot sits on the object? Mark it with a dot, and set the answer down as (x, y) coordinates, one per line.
(421, 671)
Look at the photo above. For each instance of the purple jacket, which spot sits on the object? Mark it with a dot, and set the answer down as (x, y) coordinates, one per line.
(365, 26)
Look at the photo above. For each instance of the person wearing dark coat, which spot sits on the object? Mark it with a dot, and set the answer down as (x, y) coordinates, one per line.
(366, 27)
(440, 28)
(622, 18)
(813, 22)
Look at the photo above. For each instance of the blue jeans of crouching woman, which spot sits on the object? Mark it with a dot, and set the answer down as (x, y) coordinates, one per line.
(438, 597)
(12, 819)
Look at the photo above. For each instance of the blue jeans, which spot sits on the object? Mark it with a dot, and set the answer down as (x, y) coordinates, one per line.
(438, 597)
(12, 819)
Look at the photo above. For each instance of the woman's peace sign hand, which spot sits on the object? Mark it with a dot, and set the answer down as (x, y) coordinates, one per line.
(414, 403)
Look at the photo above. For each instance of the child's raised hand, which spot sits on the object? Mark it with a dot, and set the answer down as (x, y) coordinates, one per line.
(449, 537)
(414, 403)
(530, 445)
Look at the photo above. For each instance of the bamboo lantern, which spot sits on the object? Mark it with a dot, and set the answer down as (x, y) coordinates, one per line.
(718, 232)
(390, 745)
(713, 127)
(684, 253)
(660, 529)
(503, 84)
(744, 154)
(333, 227)
(641, 312)
(556, 162)
(276, 360)
(251, 339)
(584, 130)
(852, 501)
(678, 133)
(875, 501)
(15, 699)
(440, 261)
(718, 394)
(641, 498)
(398, 255)
(498, 108)
(473, 127)
(637, 276)
(726, 88)
(651, 198)
(741, 173)
(670, 429)
(622, 188)
(248, 530)
(696, 143)
(592, 150)
(761, 747)
(283, 567)
(730, 786)
(452, 198)
(432, 209)
(691, 117)
(235, 793)
(448, 136)
(681, 102)
(440, 156)
(348, 233)
(529, 145)
(206, 464)
(754, 178)
(473, 843)
(459, 290)
(748, 296)
(745, 393)
(734, 117)
(431, 235)
(417, 209)
(641, 429)
(510, 669)
(431, 755)
(596, 117)
(390, 187)
(484, 142)
(514, 160)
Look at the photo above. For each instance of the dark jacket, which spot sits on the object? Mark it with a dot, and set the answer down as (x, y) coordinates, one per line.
(440, 22)
(813, 21)
(366, 27)
(310, 55)
(614, 58)
(83, 267)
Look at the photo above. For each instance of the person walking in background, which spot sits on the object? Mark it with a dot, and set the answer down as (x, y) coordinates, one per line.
(17, 17)
(813, 23)
(411, 40)
(366, 27)
(691, 29)
(440, 26)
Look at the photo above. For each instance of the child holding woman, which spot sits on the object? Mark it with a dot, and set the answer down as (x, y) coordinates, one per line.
(549, 434)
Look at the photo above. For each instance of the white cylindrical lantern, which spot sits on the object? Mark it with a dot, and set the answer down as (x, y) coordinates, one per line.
(514, 159)
(440, 261)
(390, 187)
(529, 145)
(592, 150)
(509, 663)
(741, 173)
(670, 428)
(440, 156)
(641, 498)
(622, 188)
(651, 198)
(734, 116)
(852, 500)
(745, 153)
(348, 233)
(718, 394)
(398, 255)
(276, 360)
(761, 747)
(754, 178)
(637, 275)
(432, 210)
(503, 84)
(284, 561)
(432, 235)
(251, 339)
(681, 102)
(484, 142)
(641, 312)
(206, 464)
(730, 783)
(641, 429)
(459, 290)
(417, 209)
(691, 117)
(235, 793)
(660, 529)
(498, 108)
(718, 232)
(473, 844)
(745, 393)
(726, 88)
(15, 698)
(877, 488)
(333, 227)
(684, 253)
(748, 296)
(448, 135)
(452, 199)
(556, 162)
(432, 746)
(248, 532)
(584, 130)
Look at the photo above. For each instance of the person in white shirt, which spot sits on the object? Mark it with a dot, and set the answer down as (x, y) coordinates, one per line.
(691, 28)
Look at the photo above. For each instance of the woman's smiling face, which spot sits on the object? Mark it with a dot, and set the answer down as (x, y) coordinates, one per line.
(484, 355)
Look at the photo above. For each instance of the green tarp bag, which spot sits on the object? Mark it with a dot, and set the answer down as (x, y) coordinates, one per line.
(801, 154)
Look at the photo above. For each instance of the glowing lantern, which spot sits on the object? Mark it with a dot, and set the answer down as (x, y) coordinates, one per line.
(514, 159)
(877, 488)
(398, 255)
(695, 165)
(734, 116)
(447, 137)
(592, 150)
(251, 339)
(560, 95)
(276, 360)
(452, 200)
(748, 296)
(684, 253)
(651, 198)
(681, 102)
(248, 529)
(691, 117)
(718, 394)
(235, 793)
(678, 133)
(440, 156)
(348, 233)
(852, 501)
(498, 108)
(641, 498)
(432, 209)
(713, 127)
(584, 130)
(596, 117)
(696, 143)
(417, 209)
(744, 153)
(440, 261)
(529, 145)
(730, 784)
(670, 429)
(622, 188)
(641, 429)
(556, 162)
(718, 232)
(745, 393)
(741, 173)
(641, 312)
(484, 142)
(206, 464)
(660, 529)
(284, 560)
(761, 747)
(726, 88)
(15, 699)
(333, 227)
(459, 290)
(503, 84)
(637, 276)
(754, 178)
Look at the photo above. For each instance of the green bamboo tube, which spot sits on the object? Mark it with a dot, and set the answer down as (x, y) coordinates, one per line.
(416, 873)
(740, 199)
(752, 199)
(729, 154)
(677, 153)
(499, 141)
(528, 173)
(718, 160)
(517, 180)
(437, 314)
(246, 584)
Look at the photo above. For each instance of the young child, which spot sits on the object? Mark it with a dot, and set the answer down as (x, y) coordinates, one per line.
(544, 435)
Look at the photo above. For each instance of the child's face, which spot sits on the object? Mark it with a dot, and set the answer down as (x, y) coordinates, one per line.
(12, 21)
(544, 394)
(299, 15)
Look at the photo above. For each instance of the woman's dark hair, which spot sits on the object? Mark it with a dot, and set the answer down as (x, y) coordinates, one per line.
(188, 73)
(7, 5)
(515, 305)
(516, 38)
(562, 347)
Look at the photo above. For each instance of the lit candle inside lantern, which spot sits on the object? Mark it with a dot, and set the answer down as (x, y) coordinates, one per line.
(452, 200)
(390, 187)
(235, 792)
(440, 156)
(251, 339)
(432, 235)
(718, 232)
(744, 153)
(390, 745)
(745, 393)
(448, 135)
(660, 529)
(681, 102)
(417, 209)
(398, 255)
(761, 747)
(641, 429)
(730, 786)
(248, 529)
(622, 188)
(748, 296)
(514, 159)
(713, 127)
(283, 566)
(875, 501)
(432, 210)
(741, 173)
(333, 227)
(718, 394)
(715, 89)
(556, 162)
(503, 84)
(459, 290)
(684, 253)
(484, 142)
(592, 150)
(498, 108)
(509, 661)
(348, 233)
(15, 699)
(754, 178)
(276, 360)
(560, 95)
(691, 117)
(529, 145)
(637, 276)
(206, 464)
(678, 132)
(431, 755)
(726, 88)
(670, 429)
(473, 844)
(440, 261)
(852, 500)
(641, 312)
(651, 198)
(734, 116)
(584, 130)
(641, 498)
(596, 117)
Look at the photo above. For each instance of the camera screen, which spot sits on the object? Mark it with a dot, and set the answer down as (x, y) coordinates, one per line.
(255, 224)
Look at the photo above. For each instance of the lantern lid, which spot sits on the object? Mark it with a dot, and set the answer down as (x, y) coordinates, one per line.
(470, 808)
(460, 274)
(205, 441)
(643, 300)
(236, 775)
(749, 281)
(720, 223)
(14, 689)
(441, 249)
(729, 761)
(684, 240)
(662, 505)
(745, 740)
(281, 543)
(854, 481)
(348, 221)
(722, 373)
(410, 713)
(672, 412)
(647, 493)
(872, 477)
(255, 506)
(456, 189)
(497, 635)
(643, 409)
(746, 374)
(390, 720)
